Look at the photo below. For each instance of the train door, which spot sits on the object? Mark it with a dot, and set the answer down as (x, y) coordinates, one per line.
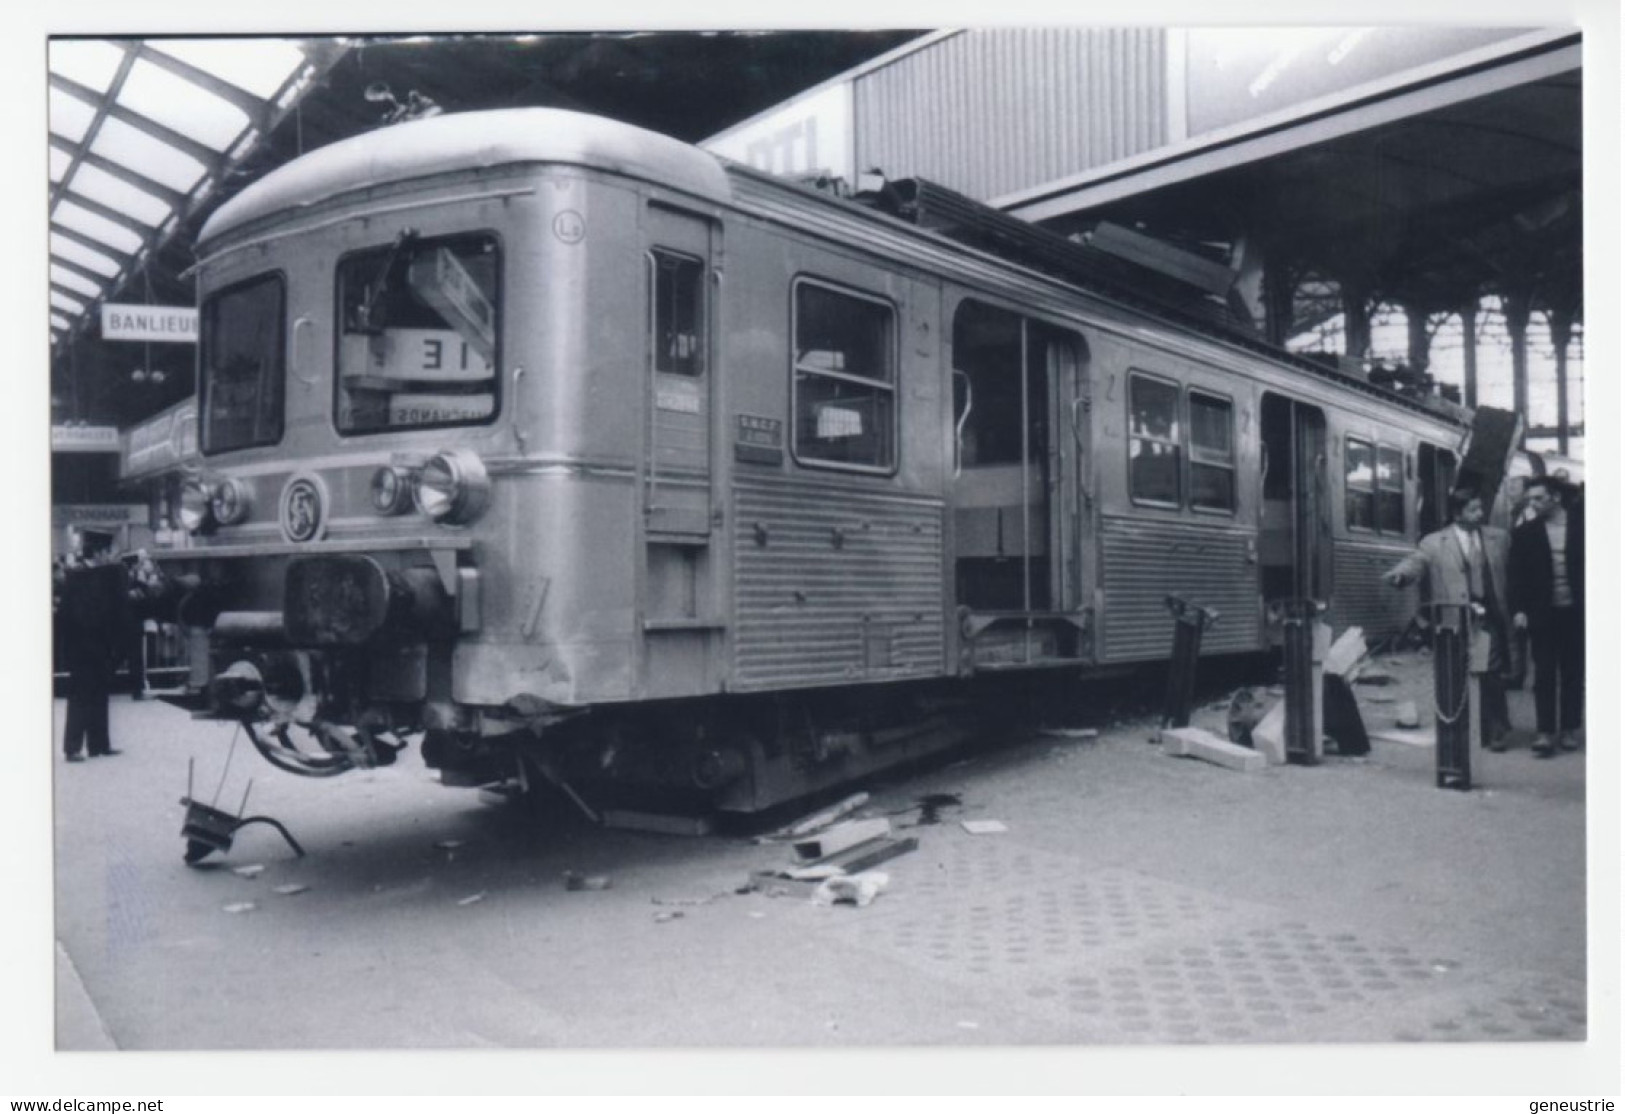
(678, 594)
(1294, 530)
(677, 480)
(1018, 535)
(1435, 472)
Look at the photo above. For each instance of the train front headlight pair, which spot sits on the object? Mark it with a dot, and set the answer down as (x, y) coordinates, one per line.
(224, 504)
(451, 487)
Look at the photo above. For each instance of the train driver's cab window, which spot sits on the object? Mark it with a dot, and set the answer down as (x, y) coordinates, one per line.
(678, 298)
(1359, 484)
(1153, 442)
(417, 345)
(845, 397)
(1390, 490)
(243, 365)
(1213, 453)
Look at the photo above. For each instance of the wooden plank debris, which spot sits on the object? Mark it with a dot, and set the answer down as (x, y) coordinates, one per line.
(838, 838)
(821, 819)
(1194, 742)
(854, 859)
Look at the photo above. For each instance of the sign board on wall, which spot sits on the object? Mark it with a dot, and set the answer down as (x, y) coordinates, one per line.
(162, 442)
(165, 324)
(99, 516)
(809, 135)
(84, 439)
(1237, 74)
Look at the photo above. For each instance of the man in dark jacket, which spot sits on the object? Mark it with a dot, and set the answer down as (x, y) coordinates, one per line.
(1546, 574)
(92, 615)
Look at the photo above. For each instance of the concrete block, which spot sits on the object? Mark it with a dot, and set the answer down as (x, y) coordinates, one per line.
(1269, 735)
(1194, 742)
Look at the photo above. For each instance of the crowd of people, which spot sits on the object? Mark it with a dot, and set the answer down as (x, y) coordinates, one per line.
(1526, 583)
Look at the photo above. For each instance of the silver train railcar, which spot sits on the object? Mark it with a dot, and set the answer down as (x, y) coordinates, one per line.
(582, 452)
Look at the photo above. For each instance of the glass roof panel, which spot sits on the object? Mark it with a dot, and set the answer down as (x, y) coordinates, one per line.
(115, 193)
(90, 260)
(70, 117)
(182, 106)
(58, 321)
(59, 164)
(260, 66)
(81, 220)
(74, 281)
(151, 158)
(91, 63)
(66, 304)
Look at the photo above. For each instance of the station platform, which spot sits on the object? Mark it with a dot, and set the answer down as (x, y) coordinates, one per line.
(1132, 899)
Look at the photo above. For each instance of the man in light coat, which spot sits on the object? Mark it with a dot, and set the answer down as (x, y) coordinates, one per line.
(1466, 563)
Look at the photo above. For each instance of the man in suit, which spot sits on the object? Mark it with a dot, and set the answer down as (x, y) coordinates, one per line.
(1548, 599)
(1466, 564)
(92, 611)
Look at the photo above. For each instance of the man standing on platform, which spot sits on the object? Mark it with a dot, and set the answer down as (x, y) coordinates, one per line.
(1466, 564)
(1548, 599)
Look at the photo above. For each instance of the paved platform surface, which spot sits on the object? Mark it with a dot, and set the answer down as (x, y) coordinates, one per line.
(1134, 900)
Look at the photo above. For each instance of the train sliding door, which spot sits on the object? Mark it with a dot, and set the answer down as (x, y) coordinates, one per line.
(1294, 529)
(1018, 545)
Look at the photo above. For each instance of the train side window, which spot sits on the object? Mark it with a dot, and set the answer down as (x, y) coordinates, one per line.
(243, 365)
(1153, 444)
(1390, 490)
(678, 312)
(1359, 484)
(1213, 453)
(845, 396)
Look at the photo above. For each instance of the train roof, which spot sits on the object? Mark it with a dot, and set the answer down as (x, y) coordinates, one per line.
(458, 141)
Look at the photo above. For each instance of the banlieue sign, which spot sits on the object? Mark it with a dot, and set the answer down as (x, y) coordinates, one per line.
(174, 324)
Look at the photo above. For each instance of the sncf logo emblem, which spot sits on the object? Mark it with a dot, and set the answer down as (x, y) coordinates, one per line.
(304, 509)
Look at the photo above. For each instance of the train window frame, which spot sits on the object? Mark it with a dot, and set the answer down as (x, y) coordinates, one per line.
(1352, 492)
(1396, 494)
(499, 314)
(656, 257)
(1136, 376)
(206, 381)
(802, 369)
(1193, 460)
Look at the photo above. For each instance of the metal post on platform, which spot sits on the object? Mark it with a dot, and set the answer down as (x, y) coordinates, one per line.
(1190, 620)
(1454, 695)
(1299, 623)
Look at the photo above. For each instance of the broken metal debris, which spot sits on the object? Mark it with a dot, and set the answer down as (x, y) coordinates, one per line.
(574, 881)
(856, 889)
(838, 838)
(822, 819)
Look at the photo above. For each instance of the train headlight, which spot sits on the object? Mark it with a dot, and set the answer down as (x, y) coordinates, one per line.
(194, 508)
(231, 502)
(391, 489)
(452, 487)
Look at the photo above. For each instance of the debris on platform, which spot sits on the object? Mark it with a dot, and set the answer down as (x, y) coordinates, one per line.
(708, 899)
(472, 898)
(1196, 742)
(807, 825)
(856, 889)
(1244, 712)
(248, 871)
(574, 881)
(288, 889)
(1406, 714)
(668, 915)
(633, 821)
(839, 837)
(931, 806)
(448, 845)
(983, 827)
(1070, 732)
(240, 907)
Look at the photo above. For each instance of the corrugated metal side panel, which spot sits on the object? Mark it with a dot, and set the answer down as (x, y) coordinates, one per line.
(994, 111)
(1360, 598)
(800, 602)
(1143, 562)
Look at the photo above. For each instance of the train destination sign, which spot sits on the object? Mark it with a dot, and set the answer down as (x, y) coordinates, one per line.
(164, 324)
